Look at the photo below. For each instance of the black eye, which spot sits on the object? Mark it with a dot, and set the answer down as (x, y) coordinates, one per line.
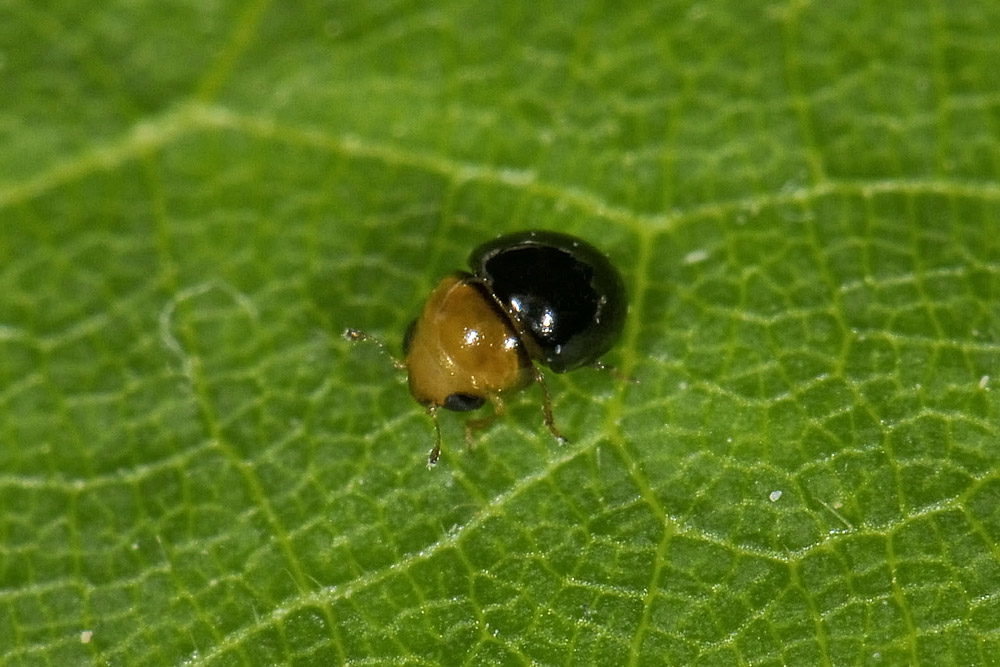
(408, 336)
(463, 402)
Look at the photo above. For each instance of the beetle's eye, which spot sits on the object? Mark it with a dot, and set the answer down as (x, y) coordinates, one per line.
(463, 402)
(408, 336)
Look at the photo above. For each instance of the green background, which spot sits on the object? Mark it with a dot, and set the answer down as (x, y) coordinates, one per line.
(196, 198)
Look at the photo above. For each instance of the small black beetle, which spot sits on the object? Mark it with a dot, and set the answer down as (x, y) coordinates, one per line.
(536, 296)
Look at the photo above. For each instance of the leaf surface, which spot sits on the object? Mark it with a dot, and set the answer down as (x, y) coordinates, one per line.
(196, 199)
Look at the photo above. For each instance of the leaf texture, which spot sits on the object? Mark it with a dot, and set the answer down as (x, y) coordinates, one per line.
(196, 199)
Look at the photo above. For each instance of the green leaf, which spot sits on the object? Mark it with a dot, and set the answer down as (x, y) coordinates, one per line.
(196, 199)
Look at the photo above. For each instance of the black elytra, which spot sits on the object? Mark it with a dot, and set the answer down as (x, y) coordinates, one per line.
(564, 295)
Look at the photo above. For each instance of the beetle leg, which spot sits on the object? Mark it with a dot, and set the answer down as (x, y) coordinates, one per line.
(550, 421)
(478, 424)
(435, 452)
(355, 335)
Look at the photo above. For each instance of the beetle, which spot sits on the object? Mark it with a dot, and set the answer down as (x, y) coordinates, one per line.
(532, 298)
